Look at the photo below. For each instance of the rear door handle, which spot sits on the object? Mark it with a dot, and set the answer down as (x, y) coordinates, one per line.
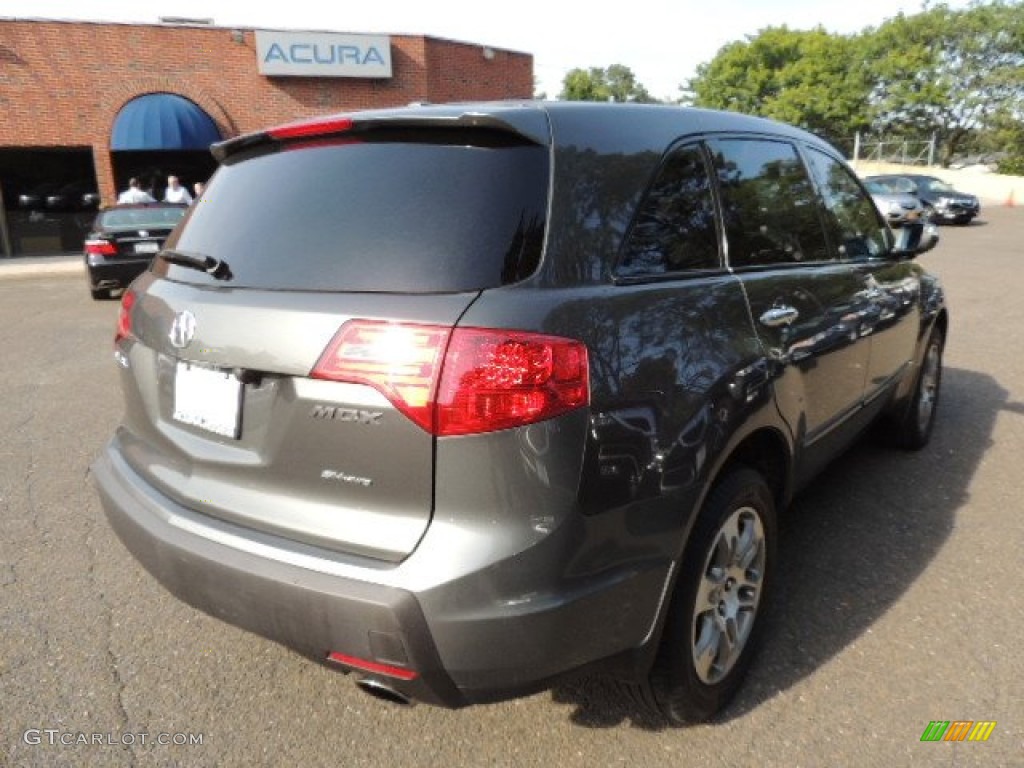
(777, 317)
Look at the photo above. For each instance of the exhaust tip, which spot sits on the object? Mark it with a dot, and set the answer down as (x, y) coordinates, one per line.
(382, 691)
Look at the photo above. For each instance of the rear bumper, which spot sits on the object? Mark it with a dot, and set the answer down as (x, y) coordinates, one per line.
(115, 274)
(311, 612)
(508, 626)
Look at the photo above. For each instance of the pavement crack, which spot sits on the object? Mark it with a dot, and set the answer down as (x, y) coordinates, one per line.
(113, 661)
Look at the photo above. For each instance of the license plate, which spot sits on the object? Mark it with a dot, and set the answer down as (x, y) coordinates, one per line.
(147, 247)
(207, 398)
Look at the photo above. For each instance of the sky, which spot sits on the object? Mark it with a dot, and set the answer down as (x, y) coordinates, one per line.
(663, 42)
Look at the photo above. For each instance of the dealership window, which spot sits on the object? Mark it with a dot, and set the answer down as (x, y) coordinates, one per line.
(49, 198)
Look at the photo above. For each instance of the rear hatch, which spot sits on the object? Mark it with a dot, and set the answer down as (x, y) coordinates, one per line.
(313, 244)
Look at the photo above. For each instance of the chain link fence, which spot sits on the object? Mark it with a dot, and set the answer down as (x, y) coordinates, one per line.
(902, 151)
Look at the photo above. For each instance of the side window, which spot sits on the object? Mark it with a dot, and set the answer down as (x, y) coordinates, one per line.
(851, 216)
(674, 229)
(769, 208)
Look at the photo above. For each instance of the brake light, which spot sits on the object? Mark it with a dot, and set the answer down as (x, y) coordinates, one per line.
(462, 381)
(100, 248)
(402, 361)
(499, 379)
(309, 128)
(124, 317)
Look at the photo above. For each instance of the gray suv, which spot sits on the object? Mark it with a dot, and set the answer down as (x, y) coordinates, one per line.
(464, 399)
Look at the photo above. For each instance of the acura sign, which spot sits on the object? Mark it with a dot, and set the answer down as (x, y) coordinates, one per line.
(323, 54)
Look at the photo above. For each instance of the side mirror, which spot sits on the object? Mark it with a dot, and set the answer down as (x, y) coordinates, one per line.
(915, 238)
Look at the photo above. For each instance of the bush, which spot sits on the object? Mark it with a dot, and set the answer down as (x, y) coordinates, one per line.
(1012, 166)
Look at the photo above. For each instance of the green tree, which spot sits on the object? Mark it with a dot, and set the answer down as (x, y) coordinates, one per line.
(1003, 136)
(948, 72)
(616, 83)
(810, 78)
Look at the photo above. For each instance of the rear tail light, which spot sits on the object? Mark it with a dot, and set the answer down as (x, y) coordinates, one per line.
(500, 379)
(401, 361)
(461, 381)
(100, 248)
(124, 317)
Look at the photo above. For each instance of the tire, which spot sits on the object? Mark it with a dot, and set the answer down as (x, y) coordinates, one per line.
(99, 294)
(914, 429)
(721, 593)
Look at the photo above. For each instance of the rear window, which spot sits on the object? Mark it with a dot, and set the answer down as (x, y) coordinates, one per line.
(424, 212)
(133, 218)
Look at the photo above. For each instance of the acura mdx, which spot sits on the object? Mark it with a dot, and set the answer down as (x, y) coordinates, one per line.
(463, 399)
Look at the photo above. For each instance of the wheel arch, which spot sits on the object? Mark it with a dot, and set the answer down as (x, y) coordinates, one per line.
(766, 451)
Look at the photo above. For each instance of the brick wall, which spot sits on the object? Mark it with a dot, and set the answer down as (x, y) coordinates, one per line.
(461, 71)
(63, 83)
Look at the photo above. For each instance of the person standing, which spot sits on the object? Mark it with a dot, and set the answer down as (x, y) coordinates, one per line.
(134, 194)
(176, 193)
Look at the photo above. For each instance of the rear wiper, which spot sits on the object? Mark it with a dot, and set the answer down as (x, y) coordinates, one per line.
(214, 267)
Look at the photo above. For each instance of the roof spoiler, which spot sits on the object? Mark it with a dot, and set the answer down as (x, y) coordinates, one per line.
(528, 124)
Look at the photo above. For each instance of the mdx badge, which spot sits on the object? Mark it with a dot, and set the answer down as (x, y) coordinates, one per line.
(183, 329)
(353, 415)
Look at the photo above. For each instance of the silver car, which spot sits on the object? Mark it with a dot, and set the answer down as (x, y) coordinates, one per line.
(897, 207)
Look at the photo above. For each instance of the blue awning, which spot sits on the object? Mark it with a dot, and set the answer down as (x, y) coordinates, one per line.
(162, 121)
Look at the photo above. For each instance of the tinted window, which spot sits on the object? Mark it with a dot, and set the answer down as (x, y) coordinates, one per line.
(413, 213)
(769, 208)
(851, 216)
(674, 228)
(131, 218)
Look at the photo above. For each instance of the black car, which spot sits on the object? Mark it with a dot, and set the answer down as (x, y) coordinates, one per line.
(123, 241)
(942, 203)
(464, 399)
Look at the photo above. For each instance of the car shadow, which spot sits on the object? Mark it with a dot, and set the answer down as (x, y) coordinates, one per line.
(850, 545)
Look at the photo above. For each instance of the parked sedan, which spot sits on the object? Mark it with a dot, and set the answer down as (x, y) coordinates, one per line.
(940, 200)
(897, 207)
(123, 241)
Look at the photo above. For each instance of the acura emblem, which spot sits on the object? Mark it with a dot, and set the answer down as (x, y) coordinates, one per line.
(183, 329)
(143, 233)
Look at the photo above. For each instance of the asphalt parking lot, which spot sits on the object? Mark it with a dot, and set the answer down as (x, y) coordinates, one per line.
(899, 602)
